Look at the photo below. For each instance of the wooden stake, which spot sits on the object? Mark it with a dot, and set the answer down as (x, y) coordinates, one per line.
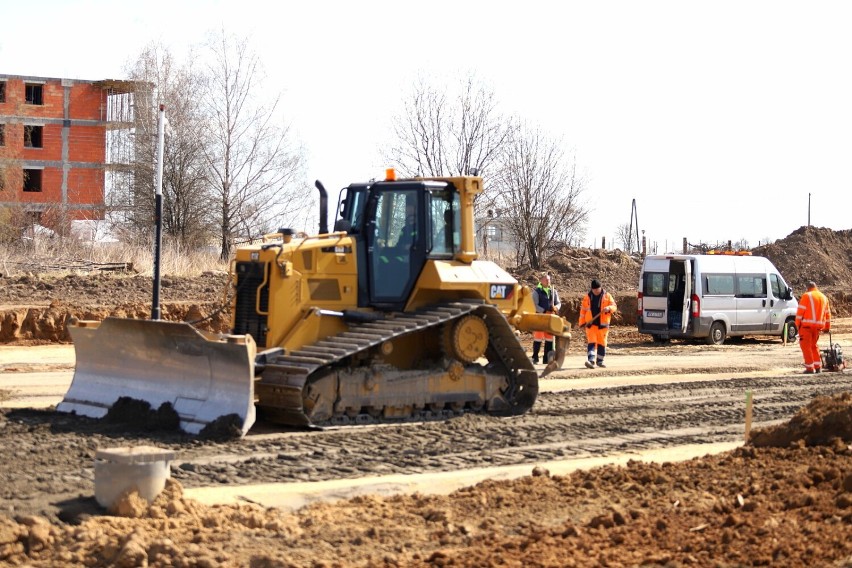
(748, 415)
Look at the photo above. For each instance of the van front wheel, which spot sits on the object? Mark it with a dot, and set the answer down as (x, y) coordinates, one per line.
(792, 331)
(717, 334)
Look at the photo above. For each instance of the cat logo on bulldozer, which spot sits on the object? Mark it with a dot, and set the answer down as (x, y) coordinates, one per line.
(501, 291)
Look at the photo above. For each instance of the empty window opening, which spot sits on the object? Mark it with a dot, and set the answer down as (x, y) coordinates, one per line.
(33, 136)
(34, 94)
(2, 91)
(2, 134)
(32, 180)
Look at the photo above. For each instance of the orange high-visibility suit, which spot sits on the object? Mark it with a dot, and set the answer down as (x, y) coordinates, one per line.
(595, 314)
(812, 317)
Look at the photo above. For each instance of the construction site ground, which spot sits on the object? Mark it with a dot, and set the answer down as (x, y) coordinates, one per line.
(640, 463)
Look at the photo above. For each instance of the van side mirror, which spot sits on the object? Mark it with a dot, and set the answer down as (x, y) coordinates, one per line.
(788, 294)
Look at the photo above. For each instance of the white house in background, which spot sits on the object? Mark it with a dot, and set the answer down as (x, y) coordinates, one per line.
(93, 231)
(494, 239)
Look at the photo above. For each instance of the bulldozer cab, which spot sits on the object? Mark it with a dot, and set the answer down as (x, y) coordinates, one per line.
(398, 226)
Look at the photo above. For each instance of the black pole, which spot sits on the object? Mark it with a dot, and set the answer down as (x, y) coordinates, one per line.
(158, 215)
(158, 242)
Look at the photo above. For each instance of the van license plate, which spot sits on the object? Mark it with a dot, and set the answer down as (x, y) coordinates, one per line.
(654, 313)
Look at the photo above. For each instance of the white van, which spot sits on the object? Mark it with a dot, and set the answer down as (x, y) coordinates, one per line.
(713, 296)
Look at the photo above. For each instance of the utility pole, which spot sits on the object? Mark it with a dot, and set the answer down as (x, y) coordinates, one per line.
(630, 230)
(809, 209)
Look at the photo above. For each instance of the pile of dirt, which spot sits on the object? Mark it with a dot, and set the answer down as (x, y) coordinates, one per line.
(788, 505)
(37, 324)
(38, 307)
(818, 254)
(572, 271)
(825, 421)
(100, 289)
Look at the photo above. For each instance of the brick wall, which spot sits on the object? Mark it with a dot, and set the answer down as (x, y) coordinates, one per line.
(73, 140)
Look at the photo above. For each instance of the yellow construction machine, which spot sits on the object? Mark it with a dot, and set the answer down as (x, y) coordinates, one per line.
(389, 316)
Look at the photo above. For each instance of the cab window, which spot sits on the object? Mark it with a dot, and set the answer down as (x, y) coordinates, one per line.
(352, 207)
(445, 222)
(396, 218)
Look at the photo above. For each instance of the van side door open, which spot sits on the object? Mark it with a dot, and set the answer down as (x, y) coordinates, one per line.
(679, 291)
(687, 295)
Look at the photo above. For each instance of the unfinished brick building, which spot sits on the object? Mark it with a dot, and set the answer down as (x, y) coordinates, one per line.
(53, 145)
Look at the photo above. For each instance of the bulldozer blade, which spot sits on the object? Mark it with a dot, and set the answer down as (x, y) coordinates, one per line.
(203, 376)
(558, 359)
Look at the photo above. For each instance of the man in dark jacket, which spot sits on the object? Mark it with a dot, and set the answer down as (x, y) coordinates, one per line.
(546, 302)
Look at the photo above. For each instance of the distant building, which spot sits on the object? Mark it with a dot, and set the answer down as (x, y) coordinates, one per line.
(494, 236)
(54, 142)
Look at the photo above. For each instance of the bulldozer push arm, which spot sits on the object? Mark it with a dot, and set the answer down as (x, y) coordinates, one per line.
(526, 319)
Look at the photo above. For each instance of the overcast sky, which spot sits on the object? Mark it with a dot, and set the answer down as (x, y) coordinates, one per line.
(719, 118)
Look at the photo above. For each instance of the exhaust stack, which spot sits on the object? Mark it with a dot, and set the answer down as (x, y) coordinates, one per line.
(323, 210)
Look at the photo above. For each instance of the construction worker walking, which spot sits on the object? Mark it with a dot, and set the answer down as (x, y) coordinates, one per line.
(812, 317)
(546, 301)
(595, 314)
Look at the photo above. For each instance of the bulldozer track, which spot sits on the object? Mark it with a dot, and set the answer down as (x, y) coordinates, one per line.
(283, 381)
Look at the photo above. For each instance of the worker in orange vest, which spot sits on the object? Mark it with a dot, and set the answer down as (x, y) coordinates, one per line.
(812, 317)
(595, 314)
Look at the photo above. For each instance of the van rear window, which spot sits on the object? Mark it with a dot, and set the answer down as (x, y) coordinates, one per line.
(718, 284)
(655, 284)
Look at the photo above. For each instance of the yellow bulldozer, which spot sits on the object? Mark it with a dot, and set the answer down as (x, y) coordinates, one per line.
(389, 316)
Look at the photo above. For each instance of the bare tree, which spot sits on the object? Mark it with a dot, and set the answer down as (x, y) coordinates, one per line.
(187, 213)
(624, 236)
(255, 172)
(442, 135)
(13, 215)
(539, 195)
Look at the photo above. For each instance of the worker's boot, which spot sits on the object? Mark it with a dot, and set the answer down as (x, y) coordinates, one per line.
(536, 348)
(548, 351)
(590, 360)
(601, 355)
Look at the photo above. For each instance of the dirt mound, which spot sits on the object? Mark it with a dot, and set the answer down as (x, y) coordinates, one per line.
(572, 271)
(753, 506)
(813, 253)
(50, 324)
(108, 289)
(825, 421)
(818, 254)
(138, 413)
